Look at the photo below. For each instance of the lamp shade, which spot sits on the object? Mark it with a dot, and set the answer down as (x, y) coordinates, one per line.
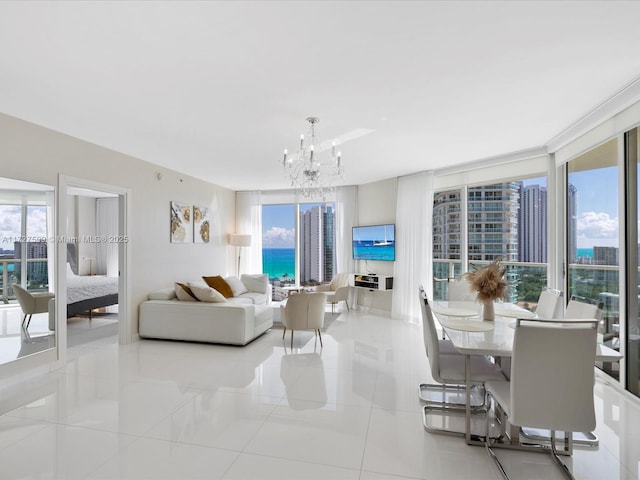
(240, 239)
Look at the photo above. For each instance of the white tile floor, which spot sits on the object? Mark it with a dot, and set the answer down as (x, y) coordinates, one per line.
(155, 410)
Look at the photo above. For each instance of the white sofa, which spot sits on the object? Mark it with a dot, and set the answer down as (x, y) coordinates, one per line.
(236, 321)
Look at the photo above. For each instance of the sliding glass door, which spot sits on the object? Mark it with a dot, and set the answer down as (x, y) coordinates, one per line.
(593, 245)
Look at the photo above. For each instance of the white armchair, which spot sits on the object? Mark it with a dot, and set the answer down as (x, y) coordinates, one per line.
(31, 302)
(337, 290)
(303, 311)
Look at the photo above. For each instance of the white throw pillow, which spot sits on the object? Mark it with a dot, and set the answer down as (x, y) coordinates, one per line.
(255, 283)
(205, 293)
(237, 287)
(184, 293)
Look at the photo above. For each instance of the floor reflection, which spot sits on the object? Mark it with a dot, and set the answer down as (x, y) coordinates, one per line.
(303, 377)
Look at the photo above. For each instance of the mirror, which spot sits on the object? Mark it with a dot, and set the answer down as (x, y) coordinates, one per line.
(26, 260)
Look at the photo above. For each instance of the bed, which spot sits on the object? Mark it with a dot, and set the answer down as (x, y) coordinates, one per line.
(84, 293)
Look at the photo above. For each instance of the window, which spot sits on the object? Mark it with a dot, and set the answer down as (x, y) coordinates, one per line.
(505, 220)
(23, 247)
(298, 245)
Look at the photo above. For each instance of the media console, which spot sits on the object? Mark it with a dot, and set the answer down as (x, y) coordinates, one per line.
(373, 282)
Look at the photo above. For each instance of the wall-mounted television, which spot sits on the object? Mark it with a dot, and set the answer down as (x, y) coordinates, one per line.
(375, 242)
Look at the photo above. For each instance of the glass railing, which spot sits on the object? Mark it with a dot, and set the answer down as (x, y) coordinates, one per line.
(526, 280)
(11, 272)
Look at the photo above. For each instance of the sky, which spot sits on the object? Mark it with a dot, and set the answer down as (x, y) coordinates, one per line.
(597, 207)
(278, 225)
(10, 224)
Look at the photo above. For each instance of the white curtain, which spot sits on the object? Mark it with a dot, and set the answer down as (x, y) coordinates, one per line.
(51, 243)
(346, 218)
(249, 220)
(107, 228)
(414, 243)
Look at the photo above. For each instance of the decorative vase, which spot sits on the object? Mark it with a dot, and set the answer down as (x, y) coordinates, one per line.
(488, 311)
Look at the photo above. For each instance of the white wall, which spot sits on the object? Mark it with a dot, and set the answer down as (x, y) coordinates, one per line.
(376, 205)
(36, 154)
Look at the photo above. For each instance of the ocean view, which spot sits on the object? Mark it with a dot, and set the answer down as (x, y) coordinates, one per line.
(585, 252)
(279, 261)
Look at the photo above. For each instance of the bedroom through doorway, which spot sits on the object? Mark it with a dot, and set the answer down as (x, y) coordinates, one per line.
(92, 266)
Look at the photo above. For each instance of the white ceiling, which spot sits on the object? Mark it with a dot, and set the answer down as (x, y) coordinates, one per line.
(218, 89)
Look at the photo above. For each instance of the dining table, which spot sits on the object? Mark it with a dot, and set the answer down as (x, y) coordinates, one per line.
(470, 335)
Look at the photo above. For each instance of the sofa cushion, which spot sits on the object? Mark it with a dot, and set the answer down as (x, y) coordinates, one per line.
(204, 293)
(237, 287)
(242, 300)
(255, 283)
(184, 293)
(218, 283)
(254, 297)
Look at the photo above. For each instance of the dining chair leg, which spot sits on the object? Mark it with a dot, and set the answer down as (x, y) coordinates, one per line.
(320, 335)
(291, 339)
(24, 319)
(284, 331)
(554, 453)
(29, 321)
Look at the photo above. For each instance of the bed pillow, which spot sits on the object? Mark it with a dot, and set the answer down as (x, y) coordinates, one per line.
(205, 293)
(184, 293)
(218, 283)
(237, 287)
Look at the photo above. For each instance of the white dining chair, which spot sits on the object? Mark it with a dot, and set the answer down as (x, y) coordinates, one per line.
(460, 291)
(549, 304)
(445, 348)
(551, 384)
(577, 309)
(449, 370)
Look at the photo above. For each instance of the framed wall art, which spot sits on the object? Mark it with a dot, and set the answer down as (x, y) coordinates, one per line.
(201, 224)
(181, 223)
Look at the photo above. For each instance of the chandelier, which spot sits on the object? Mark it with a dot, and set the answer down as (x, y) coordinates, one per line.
(311, 170)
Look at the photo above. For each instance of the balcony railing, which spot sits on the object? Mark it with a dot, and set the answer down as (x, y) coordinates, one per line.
(14, 274)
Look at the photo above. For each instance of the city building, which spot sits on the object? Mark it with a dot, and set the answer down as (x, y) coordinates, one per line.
(532, 224)
(317, 239)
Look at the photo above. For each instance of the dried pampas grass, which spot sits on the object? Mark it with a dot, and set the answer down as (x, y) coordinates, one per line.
(489, 281)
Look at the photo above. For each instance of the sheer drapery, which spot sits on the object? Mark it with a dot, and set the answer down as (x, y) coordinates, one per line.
(249, 220)
(346, 218)
(414, 242)
(51, 243)
(107, 228)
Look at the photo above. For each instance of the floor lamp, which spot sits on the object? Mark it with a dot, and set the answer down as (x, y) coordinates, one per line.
(240, 240)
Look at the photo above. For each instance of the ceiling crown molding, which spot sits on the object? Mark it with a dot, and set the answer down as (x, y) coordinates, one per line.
(491, 161)
(619, 101)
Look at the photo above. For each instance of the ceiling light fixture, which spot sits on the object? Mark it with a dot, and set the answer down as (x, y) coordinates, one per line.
(310, 171)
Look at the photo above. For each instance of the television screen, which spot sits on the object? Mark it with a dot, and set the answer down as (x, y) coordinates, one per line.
(375, 242)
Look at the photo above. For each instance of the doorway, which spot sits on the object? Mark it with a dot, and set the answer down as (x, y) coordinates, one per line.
(92, 261)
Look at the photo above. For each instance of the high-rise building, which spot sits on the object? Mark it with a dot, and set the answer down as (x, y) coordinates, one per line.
(532, 224)
(493, 222)
(317, 240)
(572, 230)
(447, 225)
(606, 256)
(36, 271)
